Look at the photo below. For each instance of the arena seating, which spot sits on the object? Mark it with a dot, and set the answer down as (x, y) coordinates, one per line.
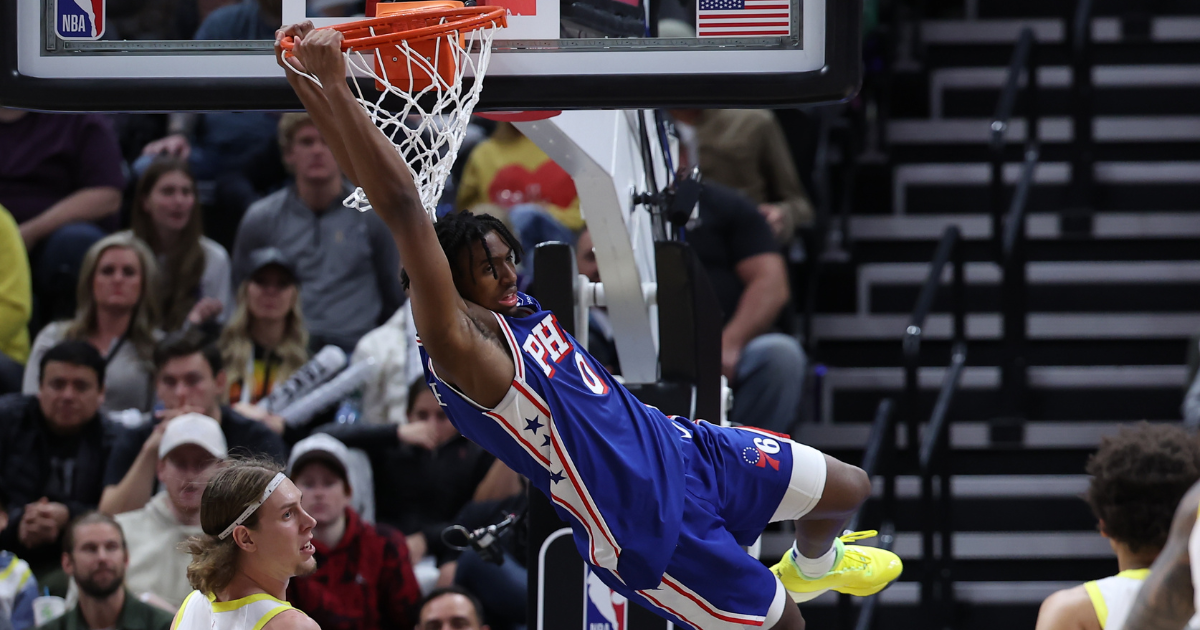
(1113, 299)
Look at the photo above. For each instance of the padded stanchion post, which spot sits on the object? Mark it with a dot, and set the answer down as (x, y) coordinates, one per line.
(556, 572)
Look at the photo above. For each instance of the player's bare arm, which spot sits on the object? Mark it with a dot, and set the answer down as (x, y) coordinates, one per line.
(1166, 601)
(311, 96)
(453, 332)
(1069, 609)
(291, 620)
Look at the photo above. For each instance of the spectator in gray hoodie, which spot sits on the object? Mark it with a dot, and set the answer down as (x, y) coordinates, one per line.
(345, 259)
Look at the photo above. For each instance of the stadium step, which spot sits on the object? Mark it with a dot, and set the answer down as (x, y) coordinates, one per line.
(1118, 8)
(1111, 313)
(1160, 138)
(988, 42)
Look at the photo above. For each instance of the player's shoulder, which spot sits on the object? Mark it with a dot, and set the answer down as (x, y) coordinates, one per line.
(1068, 609)
(291, 619)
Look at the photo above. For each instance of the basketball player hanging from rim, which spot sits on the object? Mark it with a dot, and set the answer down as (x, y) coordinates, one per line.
(256, 538)
(659, 506)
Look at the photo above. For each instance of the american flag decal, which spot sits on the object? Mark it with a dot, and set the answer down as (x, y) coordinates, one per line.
(744, 18)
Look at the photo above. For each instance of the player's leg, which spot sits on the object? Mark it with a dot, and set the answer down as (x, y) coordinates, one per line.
(820, 560)
(791, 619)
(846, 489)
(768, 478)
(711, 583)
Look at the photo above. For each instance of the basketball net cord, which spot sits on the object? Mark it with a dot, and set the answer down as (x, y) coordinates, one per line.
(427, 137)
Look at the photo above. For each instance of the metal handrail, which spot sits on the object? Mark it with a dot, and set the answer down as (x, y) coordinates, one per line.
(866, 614)
(1024, 59)
(948, 251)
(879, 442)
(1083, 156)
(1008, 218)
(934, 460)
(1015, 218)
(1021, 60)
(941, 257)
(935, 432)
(877, 460)
(877, 457)
(926, 455)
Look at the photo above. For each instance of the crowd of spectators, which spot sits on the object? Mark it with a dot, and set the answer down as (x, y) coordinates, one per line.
(158, 301)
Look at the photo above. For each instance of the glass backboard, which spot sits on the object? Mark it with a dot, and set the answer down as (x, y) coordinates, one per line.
(176, 55)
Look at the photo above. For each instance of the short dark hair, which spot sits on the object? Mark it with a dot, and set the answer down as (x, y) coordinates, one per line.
(1138, 478)
(453, 590)
(75, 352)
(90, 518)
(457, 230)
(185, 343)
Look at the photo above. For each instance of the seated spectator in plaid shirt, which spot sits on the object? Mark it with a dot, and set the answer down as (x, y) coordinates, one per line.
(364, 580)
(425, 473)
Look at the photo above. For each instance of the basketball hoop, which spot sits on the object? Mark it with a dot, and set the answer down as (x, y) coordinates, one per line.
(419, 55)
(520, 116)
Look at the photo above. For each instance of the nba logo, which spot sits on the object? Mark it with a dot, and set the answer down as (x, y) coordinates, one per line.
(604, 608)
(79, 19)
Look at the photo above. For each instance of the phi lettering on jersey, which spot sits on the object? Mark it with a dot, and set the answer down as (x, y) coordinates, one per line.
(79, 19)
(547, 344)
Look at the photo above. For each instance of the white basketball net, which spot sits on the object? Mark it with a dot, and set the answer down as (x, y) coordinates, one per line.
(427, 139)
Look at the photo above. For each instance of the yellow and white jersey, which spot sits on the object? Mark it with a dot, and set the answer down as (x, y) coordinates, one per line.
(202, 612)
(13, 578)
(1113, 597)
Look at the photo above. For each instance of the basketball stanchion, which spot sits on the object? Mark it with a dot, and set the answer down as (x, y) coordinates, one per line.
(420, 54)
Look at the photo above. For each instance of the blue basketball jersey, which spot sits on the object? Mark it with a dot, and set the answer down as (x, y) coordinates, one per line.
(613, 467)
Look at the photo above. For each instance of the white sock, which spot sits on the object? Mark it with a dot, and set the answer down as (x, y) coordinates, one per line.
(814, 567)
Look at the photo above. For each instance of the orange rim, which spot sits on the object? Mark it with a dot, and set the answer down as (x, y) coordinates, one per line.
(465, 19)
(520, 116)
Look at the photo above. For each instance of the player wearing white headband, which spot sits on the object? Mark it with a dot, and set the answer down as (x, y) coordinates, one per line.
(256, 538)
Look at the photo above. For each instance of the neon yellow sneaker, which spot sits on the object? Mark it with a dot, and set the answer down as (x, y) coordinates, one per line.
(857, 570)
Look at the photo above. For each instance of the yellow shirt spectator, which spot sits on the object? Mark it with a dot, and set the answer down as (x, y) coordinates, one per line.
(16, 298)
(508, 169)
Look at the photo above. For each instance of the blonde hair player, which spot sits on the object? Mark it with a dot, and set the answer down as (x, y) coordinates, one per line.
(256, 539)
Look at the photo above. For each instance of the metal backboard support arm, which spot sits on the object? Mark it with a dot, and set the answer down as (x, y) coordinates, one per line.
(600, 150)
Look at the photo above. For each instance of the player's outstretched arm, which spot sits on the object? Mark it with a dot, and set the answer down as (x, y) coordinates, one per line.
(1165, 601)
(313, 99)
(440, 314)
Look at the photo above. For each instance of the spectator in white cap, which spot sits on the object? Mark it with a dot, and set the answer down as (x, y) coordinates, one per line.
(192, 449)
(364, 579)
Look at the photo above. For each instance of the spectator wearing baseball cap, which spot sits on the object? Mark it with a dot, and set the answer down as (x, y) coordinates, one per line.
(191, 450)
(265, 340)
(364, 580)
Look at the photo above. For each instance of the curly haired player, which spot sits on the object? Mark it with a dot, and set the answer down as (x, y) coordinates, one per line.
(658, 505)
(1138, 477)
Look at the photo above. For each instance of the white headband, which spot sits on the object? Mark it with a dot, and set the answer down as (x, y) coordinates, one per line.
(279, 477)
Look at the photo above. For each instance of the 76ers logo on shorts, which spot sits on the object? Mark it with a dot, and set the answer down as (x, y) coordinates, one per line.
(760, 454)
(79, 19)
